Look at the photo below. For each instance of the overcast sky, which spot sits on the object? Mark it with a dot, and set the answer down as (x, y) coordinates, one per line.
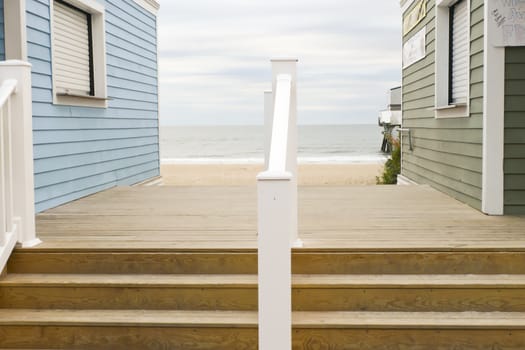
(214, 58)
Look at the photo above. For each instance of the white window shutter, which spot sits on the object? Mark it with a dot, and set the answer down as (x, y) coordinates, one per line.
(72, 66)
(460, 51)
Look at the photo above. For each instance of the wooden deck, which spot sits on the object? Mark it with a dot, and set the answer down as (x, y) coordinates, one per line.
(364, 218)
(176, 267)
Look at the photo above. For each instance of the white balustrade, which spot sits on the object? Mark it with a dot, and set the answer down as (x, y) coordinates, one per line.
(17, 213)
(277, 209)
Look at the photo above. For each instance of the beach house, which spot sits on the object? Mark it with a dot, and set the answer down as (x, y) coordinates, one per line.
(463, 100)
(93, 91)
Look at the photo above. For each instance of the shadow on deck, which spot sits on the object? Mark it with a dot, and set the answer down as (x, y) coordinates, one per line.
(332, 218)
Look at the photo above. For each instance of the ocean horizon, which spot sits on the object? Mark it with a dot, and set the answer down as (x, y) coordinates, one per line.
(318, 144)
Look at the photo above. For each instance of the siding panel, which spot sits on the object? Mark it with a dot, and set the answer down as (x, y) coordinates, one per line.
(514, 164)
(2, 31)
(80, 150)
(447, 152)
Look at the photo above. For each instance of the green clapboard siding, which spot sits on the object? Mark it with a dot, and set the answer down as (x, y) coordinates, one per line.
(514, 165)
(447, 152)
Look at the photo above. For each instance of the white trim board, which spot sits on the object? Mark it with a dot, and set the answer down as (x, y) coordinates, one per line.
(492, 196)
(402, 180)
(15, 30)
(150, 5)
(405, 5)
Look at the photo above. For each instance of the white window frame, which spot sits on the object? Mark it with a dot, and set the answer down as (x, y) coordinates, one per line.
(98, 21)
(443, 109)
(151, 5)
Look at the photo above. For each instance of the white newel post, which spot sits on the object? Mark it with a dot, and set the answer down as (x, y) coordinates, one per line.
(277, 210)
(22, 133)
(275, 263)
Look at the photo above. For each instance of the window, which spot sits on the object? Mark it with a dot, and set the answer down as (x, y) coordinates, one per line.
(452, 58)
(78, 46)
(459, 53)
(73, 58)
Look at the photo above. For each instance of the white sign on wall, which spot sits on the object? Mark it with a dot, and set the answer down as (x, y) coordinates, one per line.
(415, 48)
(507, 22)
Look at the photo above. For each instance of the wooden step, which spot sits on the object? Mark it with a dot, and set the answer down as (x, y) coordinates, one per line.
(406, 330)
(139, 329)
(245, 262)
(408, 262)
(409, 293)
(154, 292)
(135, 261)
(239, 292)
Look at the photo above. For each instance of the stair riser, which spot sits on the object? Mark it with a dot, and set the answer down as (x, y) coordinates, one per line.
(245, 299)
(407, 339)
(409, 300)
(410, 263)
(241, 299)
(116, 338)
(246, 263)
(134, 263)
(126, 338)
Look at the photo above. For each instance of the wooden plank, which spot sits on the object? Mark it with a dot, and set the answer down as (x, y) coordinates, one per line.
(247, 319)
(412, 320)
(139, 261)
(133, 280)
(125, 338)
(130, 318)
(372, 339)
(133, 291)
(368, 217)
(408, 281)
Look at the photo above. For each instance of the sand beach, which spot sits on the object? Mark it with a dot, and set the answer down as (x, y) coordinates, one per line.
(244, 174)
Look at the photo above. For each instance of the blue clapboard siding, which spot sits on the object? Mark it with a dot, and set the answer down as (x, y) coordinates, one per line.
(79, 150)
(2, 31)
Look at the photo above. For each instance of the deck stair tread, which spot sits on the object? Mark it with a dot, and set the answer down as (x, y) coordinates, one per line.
(134, 280)
(433, 320)
(248, 319)
(250, 280)
(140, 318)
(408, 281)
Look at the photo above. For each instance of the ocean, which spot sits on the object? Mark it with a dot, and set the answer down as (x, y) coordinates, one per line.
(326, 144)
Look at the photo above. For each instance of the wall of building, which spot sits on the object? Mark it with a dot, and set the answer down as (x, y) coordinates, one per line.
(514, 164)
(2, 31)
(78, 150)
(447, 152)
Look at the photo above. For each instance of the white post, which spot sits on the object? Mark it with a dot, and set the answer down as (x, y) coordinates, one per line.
(289, 66)
(492, 196)
(277, 210)
(22, 136)
(274, 260)
(15, 30)
(268, 124)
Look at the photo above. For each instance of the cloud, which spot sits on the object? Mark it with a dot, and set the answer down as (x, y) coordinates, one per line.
(214, 58)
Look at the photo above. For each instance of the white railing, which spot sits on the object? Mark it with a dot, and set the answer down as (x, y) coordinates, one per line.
(17, 214)
(277, 209)
(8, 228)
